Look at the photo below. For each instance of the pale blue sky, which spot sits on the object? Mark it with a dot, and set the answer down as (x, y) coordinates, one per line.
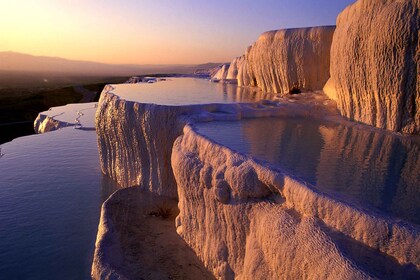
(152, 31)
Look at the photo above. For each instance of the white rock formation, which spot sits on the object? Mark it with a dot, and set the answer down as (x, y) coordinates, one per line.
(244, 76)
(375, 58)
(135, 140)
(242, 219)
(222, 73)
(281, 60)
(107, 262)
(234, 67)
(245, 220)
(44, 123)
(208, 72)
(79, 115)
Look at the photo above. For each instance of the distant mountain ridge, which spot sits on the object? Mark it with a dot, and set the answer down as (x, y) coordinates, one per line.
(13, 61)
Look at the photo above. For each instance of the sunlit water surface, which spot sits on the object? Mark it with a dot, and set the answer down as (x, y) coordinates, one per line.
(51, 190)
(368, 169)
(73, 113)
(186, 91)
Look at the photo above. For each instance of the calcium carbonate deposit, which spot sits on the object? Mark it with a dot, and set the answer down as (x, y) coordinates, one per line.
(246, 218)
(77, 115)
(283, 60)
(375, 58)
(243, 218)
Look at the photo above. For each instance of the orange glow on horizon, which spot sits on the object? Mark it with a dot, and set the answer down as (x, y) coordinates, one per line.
(44, 28)
(150, 31)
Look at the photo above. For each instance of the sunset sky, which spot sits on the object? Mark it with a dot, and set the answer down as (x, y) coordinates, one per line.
(152, 31)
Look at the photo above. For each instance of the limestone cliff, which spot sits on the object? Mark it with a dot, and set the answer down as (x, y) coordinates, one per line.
(375, 58)
(241, 217)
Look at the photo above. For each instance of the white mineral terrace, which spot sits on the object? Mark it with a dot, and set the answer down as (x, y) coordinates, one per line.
(242, 218)
(80, 115)
(186, 91)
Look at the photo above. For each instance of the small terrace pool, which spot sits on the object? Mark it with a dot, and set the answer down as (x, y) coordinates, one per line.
(186, 91)
(366, 168)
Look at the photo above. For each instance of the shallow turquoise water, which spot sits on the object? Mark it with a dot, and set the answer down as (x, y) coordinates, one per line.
(368, 169)
(51, 190)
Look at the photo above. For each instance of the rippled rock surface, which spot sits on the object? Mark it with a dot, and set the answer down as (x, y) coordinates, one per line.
(375, 59)
(137, 125)
(243, 218)
(284, 61)
(248, 220)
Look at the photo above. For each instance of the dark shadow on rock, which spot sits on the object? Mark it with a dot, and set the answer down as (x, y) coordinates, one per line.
(149, 243)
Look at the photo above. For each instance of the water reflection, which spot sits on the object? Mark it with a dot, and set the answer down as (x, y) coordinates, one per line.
(233, 93)
(372, 169)
(379, 169)
(51, 191)
(184, 91)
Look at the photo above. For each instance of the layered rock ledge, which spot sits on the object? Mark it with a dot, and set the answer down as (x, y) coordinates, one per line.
(242, 218)
(369, 63)
(135, 139)
(246, 219)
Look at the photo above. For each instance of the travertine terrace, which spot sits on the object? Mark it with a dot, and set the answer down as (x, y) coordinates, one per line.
(247, 219)
(237, 214)
(76, 115)
(375, 58)
(135, 139)
(282, 60)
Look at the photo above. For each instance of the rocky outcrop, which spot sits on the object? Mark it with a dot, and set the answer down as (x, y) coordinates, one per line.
(222, 73)
(375, 70)
(282, 60)
(44, 123)
(79, 115)
(245, 220)
(134, 140)
(228, 73)
(293, 58)
(234, 67)
(208, 72)
(236, 213)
